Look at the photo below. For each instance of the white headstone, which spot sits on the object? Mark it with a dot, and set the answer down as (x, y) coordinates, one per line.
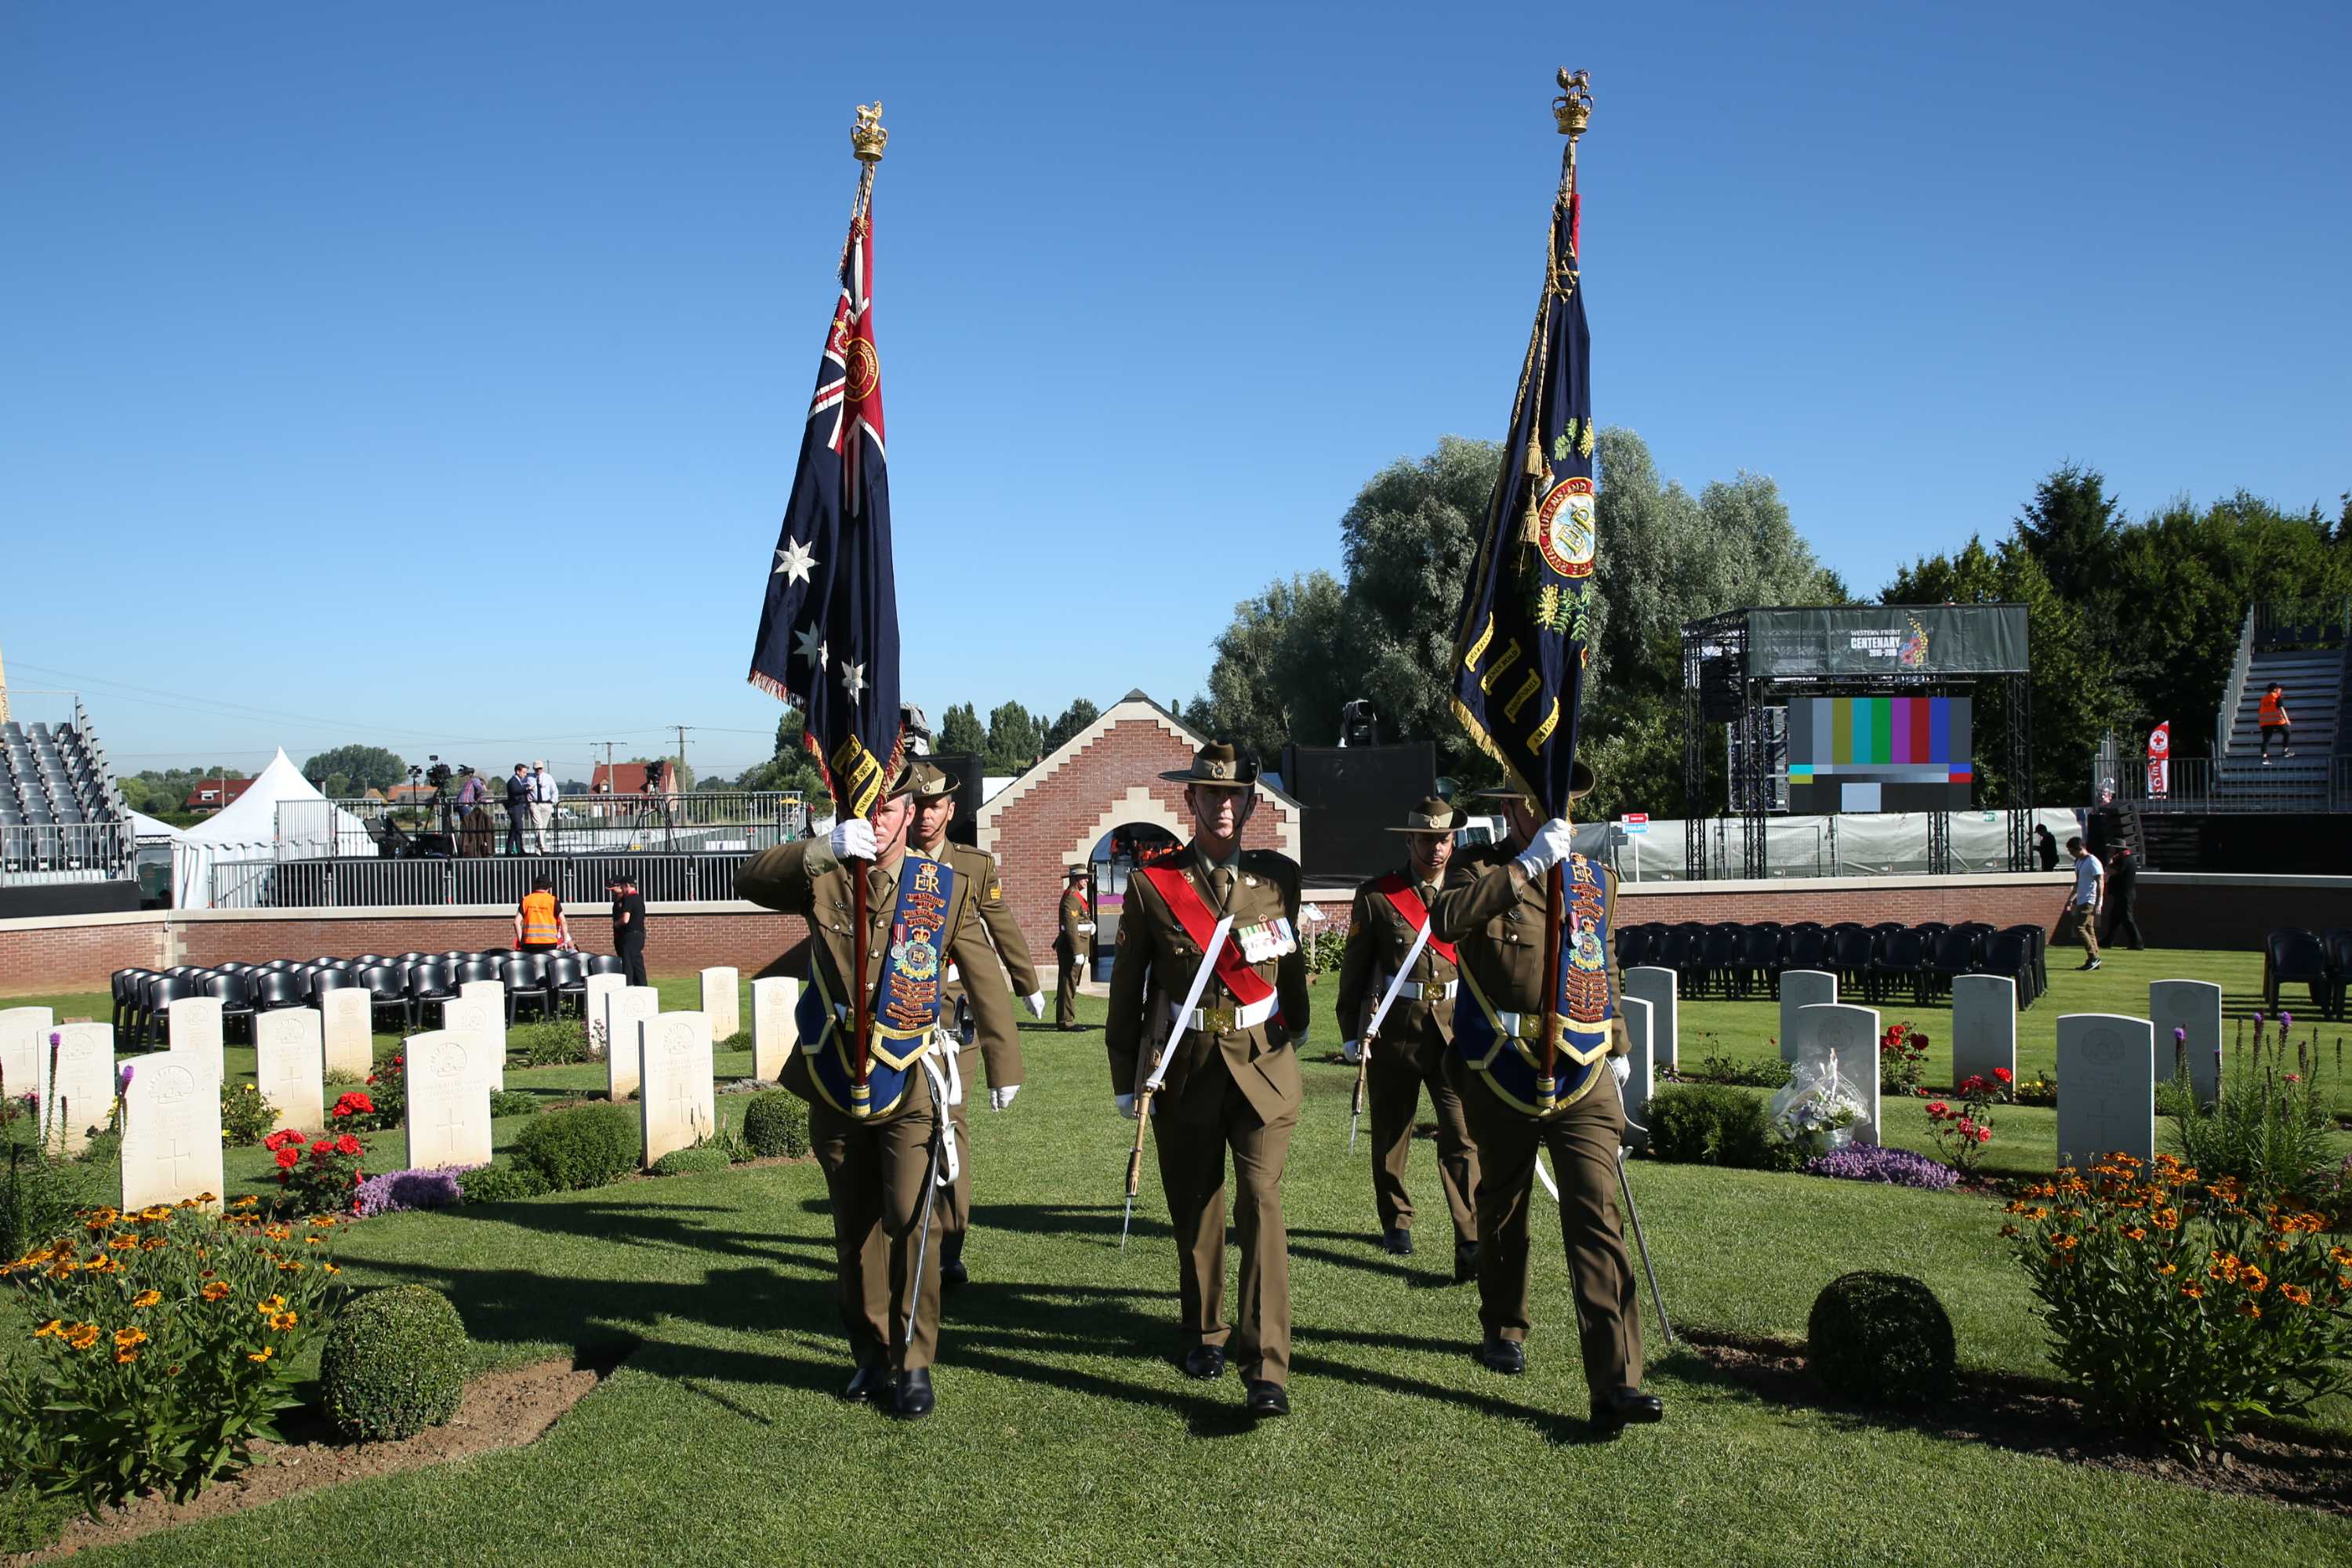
(676, 1098)
(76, 1091)
(721, 1003)
(775, 1032)
(196, 1028)
(1849, 1035)
(630, 1007)
(1641, 1028)
(2193, 1007)
(1801, 988)
(347, 1029)
(289, 1067)
(23, 1034)
(1650, 984)
(2106, 1087)
(601, 988)
(170, 1132)
(1984, 1025)
(448, 1099)
(482, 1007)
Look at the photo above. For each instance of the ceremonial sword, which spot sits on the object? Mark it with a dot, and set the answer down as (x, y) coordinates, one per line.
(1364, 1046)
(1159, 1068)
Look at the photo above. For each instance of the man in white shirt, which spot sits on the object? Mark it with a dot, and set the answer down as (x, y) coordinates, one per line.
(543, 794)
(2082, 901)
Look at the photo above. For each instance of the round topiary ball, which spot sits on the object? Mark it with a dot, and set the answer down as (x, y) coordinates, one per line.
(775, 1124)
(1882, 1338)
(395, 1364)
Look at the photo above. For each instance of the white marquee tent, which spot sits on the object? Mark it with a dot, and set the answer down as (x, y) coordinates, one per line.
(247, 830)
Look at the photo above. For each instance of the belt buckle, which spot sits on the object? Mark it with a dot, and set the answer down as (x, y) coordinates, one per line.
(1217, 1020)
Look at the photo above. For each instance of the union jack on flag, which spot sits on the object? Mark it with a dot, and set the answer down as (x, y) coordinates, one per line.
(829, 626)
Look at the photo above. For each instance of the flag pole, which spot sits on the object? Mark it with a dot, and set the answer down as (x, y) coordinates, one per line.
(866, 142)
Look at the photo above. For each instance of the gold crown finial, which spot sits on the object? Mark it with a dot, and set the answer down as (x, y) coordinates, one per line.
(1573, 107)
(867, 138)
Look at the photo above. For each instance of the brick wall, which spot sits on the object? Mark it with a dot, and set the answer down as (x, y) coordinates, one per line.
(77, 953)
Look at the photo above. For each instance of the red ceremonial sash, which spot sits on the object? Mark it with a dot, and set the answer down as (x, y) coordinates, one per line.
(1199, 923)
(1398, 891)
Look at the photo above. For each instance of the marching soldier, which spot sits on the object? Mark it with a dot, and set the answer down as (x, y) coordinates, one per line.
(934, 798)
(1071, 945)
(1417, 1035)
(1232, 1079)
(1497, 922)
(880, 1140)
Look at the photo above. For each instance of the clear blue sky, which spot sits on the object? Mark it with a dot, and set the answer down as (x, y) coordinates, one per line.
(432, 375)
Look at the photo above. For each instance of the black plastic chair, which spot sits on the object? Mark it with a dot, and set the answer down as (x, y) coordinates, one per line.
(2011, 952)
(1718, 954)
(387, 986)
(325, 980)
(605, 964)
(1632, 947)
(1678, 951)
(566, 977)
(1804, 947)
(126, 984)
(525, 974)
(155, 1013)
(276, 988)
(1851, 949)
(1904, 953)
(480, 967)
(235, 994)
(2296, 958)
(1759, 958)
(1954, 953)
(2034, 980)
(431, 984)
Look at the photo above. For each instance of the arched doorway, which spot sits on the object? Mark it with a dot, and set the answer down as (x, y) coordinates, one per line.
(1114, 859)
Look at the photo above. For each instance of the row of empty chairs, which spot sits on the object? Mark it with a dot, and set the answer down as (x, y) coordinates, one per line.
(1735, 959)
(409, 986)
(2321, 960)
(49, 778)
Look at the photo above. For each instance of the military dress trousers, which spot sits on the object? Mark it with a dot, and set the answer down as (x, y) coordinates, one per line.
(1232, 1086)
(1496, 921)
(1409, 1054)
(876, 1167)
(1071, 945)
(977, 869)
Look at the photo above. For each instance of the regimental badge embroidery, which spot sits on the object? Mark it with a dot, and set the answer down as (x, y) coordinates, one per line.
(911, 992)
(1564, 527)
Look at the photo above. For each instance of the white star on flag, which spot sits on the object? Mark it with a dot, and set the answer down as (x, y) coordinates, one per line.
(793, 560)
(853, 677)
(812, 648)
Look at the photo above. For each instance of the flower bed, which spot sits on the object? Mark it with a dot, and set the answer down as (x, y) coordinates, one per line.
(1895, 1167)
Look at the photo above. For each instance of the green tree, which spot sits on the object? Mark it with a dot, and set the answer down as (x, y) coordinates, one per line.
(2073, 528)
(791, 767)
(362, 768)
(960, 732)
(1279, 675)
(1074, 718)
(1016, 739)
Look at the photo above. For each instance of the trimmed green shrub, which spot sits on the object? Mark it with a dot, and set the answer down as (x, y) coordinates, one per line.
(700, 1161)
(1882, 1338)
(775, 1124)
(500, 1183)
(547, 1043)
(586, 1146)
(395, 1364)
(1706, 1124)
(740, 1040)
(512, 1102)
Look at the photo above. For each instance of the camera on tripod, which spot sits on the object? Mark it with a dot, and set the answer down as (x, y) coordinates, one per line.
(438, 775)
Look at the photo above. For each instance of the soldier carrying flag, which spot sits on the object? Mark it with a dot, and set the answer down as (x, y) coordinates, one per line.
(1536, 1036)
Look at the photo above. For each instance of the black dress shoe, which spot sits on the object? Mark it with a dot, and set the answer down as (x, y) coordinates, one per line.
(1508, 1357)
(871, 1381)
(1465, 1261)
(912, 1399)
(1622, 1407)
(1267, 1399)
(952, 1273)
(1206, 1363)
(1399, 1240)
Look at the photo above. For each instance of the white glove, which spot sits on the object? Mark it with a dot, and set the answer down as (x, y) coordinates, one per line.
(1624, 1068)
(1549, 847)
(1036, 1000)
(1349, 1050)
(1001, 1099)
(852, 839)
(1125, 1105)
(1087, 927)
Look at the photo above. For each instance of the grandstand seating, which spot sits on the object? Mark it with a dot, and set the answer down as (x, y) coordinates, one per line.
(2314, 681)
(56, 802)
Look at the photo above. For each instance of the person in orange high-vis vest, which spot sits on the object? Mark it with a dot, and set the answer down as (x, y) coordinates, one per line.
(2274, 720)
(540, 925)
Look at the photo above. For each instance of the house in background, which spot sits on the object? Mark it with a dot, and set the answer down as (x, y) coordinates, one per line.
(634, 778)
(211, 794)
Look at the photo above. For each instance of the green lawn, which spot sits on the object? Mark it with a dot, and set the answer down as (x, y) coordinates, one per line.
(1065, 1434)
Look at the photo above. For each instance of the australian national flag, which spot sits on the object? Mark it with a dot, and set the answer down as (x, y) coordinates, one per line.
(829, 628)
(1519, 673)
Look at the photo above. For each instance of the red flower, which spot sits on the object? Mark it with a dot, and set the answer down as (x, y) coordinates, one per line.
(281, 1138)
(354, 1104)
(288, 1159)
(2003, 1075)
(1984, 1134)
(347, 1144)
(1938, 1110)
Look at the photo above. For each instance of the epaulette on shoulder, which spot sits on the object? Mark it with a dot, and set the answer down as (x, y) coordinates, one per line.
(1272, 865)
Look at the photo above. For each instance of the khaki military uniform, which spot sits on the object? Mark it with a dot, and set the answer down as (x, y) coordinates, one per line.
(977, 869)
(1497, 920)
(875, 1168)
(1416, 1039)
(1070, 947)
(1231, 1086)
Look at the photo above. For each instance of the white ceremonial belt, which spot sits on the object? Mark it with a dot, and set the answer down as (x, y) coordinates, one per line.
(1418, 990)
(1224, 1020)
(1514, 1025)
(948, 978)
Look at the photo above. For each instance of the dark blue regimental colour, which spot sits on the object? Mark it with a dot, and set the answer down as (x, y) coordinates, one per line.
(1520, 655)
(829, 627)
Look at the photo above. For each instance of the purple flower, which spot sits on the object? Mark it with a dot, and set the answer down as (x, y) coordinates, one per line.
(122, 1079)
(2180, 1036)
(2286, 1019)
(1897, 1167)
(397, 1190)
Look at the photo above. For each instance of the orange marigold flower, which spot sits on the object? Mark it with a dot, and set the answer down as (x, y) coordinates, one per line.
(125, 1337)
(2339, 1255)
(215, 1290)
(154, 1244)
(53, 1328)
(283, 1320)
(82, 1336)
(290, 1266)
(331, 1268)
(264, 1353)
(120, 1242)
(276, 1232)
(146, 1298)
(2249, 1309)
(2137, 1233)
(2192, 1290)
(2296, 1294)
(2254, 1279)
(2170, 1269)
(269, 1304)
(102, 1264)
(124, 1357)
